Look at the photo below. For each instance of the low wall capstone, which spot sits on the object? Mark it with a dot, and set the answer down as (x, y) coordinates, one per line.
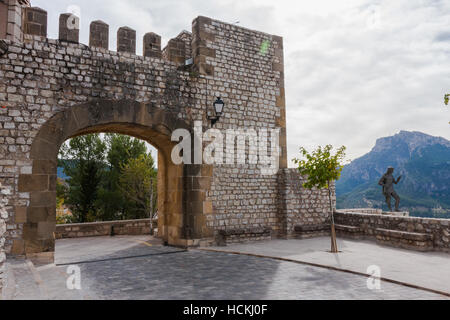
(362, 210)
(423, 234)
(96, 229)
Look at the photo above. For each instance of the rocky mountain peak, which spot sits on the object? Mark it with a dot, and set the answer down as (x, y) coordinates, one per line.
(422, 160)
(412, 139)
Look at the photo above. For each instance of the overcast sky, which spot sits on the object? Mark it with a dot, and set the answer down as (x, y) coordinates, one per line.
(356, 70)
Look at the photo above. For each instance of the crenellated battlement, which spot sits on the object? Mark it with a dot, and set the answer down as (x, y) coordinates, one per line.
(178, 49)
(185, 46)
(55, 89)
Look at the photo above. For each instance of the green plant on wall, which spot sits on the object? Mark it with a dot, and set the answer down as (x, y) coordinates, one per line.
(446, 100)
(321, 168)
(194, 74)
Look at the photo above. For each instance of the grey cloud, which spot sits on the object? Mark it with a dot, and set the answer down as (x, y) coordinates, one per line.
(355, 70)
(443, 36)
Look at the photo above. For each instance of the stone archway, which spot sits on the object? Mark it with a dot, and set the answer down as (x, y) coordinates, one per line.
(178, 224)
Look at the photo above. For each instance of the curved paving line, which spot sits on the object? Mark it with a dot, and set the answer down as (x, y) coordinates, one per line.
(447, 294)
(120, 258)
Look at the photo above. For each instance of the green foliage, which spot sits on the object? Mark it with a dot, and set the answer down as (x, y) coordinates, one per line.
(122, 148)
(85, 174)
(446, 100)
(194, 74)
(265, 45)
(320, 167)
(61, 216)
(112, 205)
(138, 183)
(61, 191)
(95, 168)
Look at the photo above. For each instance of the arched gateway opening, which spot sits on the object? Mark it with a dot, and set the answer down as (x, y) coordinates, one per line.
(181, 188)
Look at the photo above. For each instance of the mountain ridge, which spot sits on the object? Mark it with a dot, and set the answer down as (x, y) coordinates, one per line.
(423, 161)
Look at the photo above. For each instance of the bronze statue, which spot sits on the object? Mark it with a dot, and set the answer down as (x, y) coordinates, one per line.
(387, 181)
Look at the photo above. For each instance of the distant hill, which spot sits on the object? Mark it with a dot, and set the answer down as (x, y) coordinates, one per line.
(61, 174)
(422, 160)
(60, 170)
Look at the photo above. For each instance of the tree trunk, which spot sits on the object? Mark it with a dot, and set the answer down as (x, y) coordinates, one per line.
(151, 226)
(334, 248)
(151, 207)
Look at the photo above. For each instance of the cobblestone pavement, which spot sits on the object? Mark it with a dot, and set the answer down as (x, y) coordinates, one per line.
(151, 271)
(429, 270)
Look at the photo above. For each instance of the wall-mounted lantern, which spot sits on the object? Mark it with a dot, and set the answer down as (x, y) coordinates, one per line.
(218, 109)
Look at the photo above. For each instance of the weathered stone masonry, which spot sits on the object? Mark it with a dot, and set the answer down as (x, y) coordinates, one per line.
(423, 234)
(107, 228)
(11, 13)
(299, 207)
(3, 216)
(57, 89)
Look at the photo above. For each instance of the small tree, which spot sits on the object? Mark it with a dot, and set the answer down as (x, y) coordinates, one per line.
(138, 183)
(321, 168)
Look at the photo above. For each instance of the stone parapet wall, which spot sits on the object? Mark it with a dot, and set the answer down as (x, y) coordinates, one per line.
(362, 210)
(376, 211)
(96, 229)
(422, 234)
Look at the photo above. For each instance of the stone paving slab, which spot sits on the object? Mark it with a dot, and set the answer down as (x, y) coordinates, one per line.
(20, 282)
(141, 270)
(93, 248)
(210, 276)
(424, 269)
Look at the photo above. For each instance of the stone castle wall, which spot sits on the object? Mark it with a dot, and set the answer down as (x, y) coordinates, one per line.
(43, 79)
(251, 80)
(300, 206)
